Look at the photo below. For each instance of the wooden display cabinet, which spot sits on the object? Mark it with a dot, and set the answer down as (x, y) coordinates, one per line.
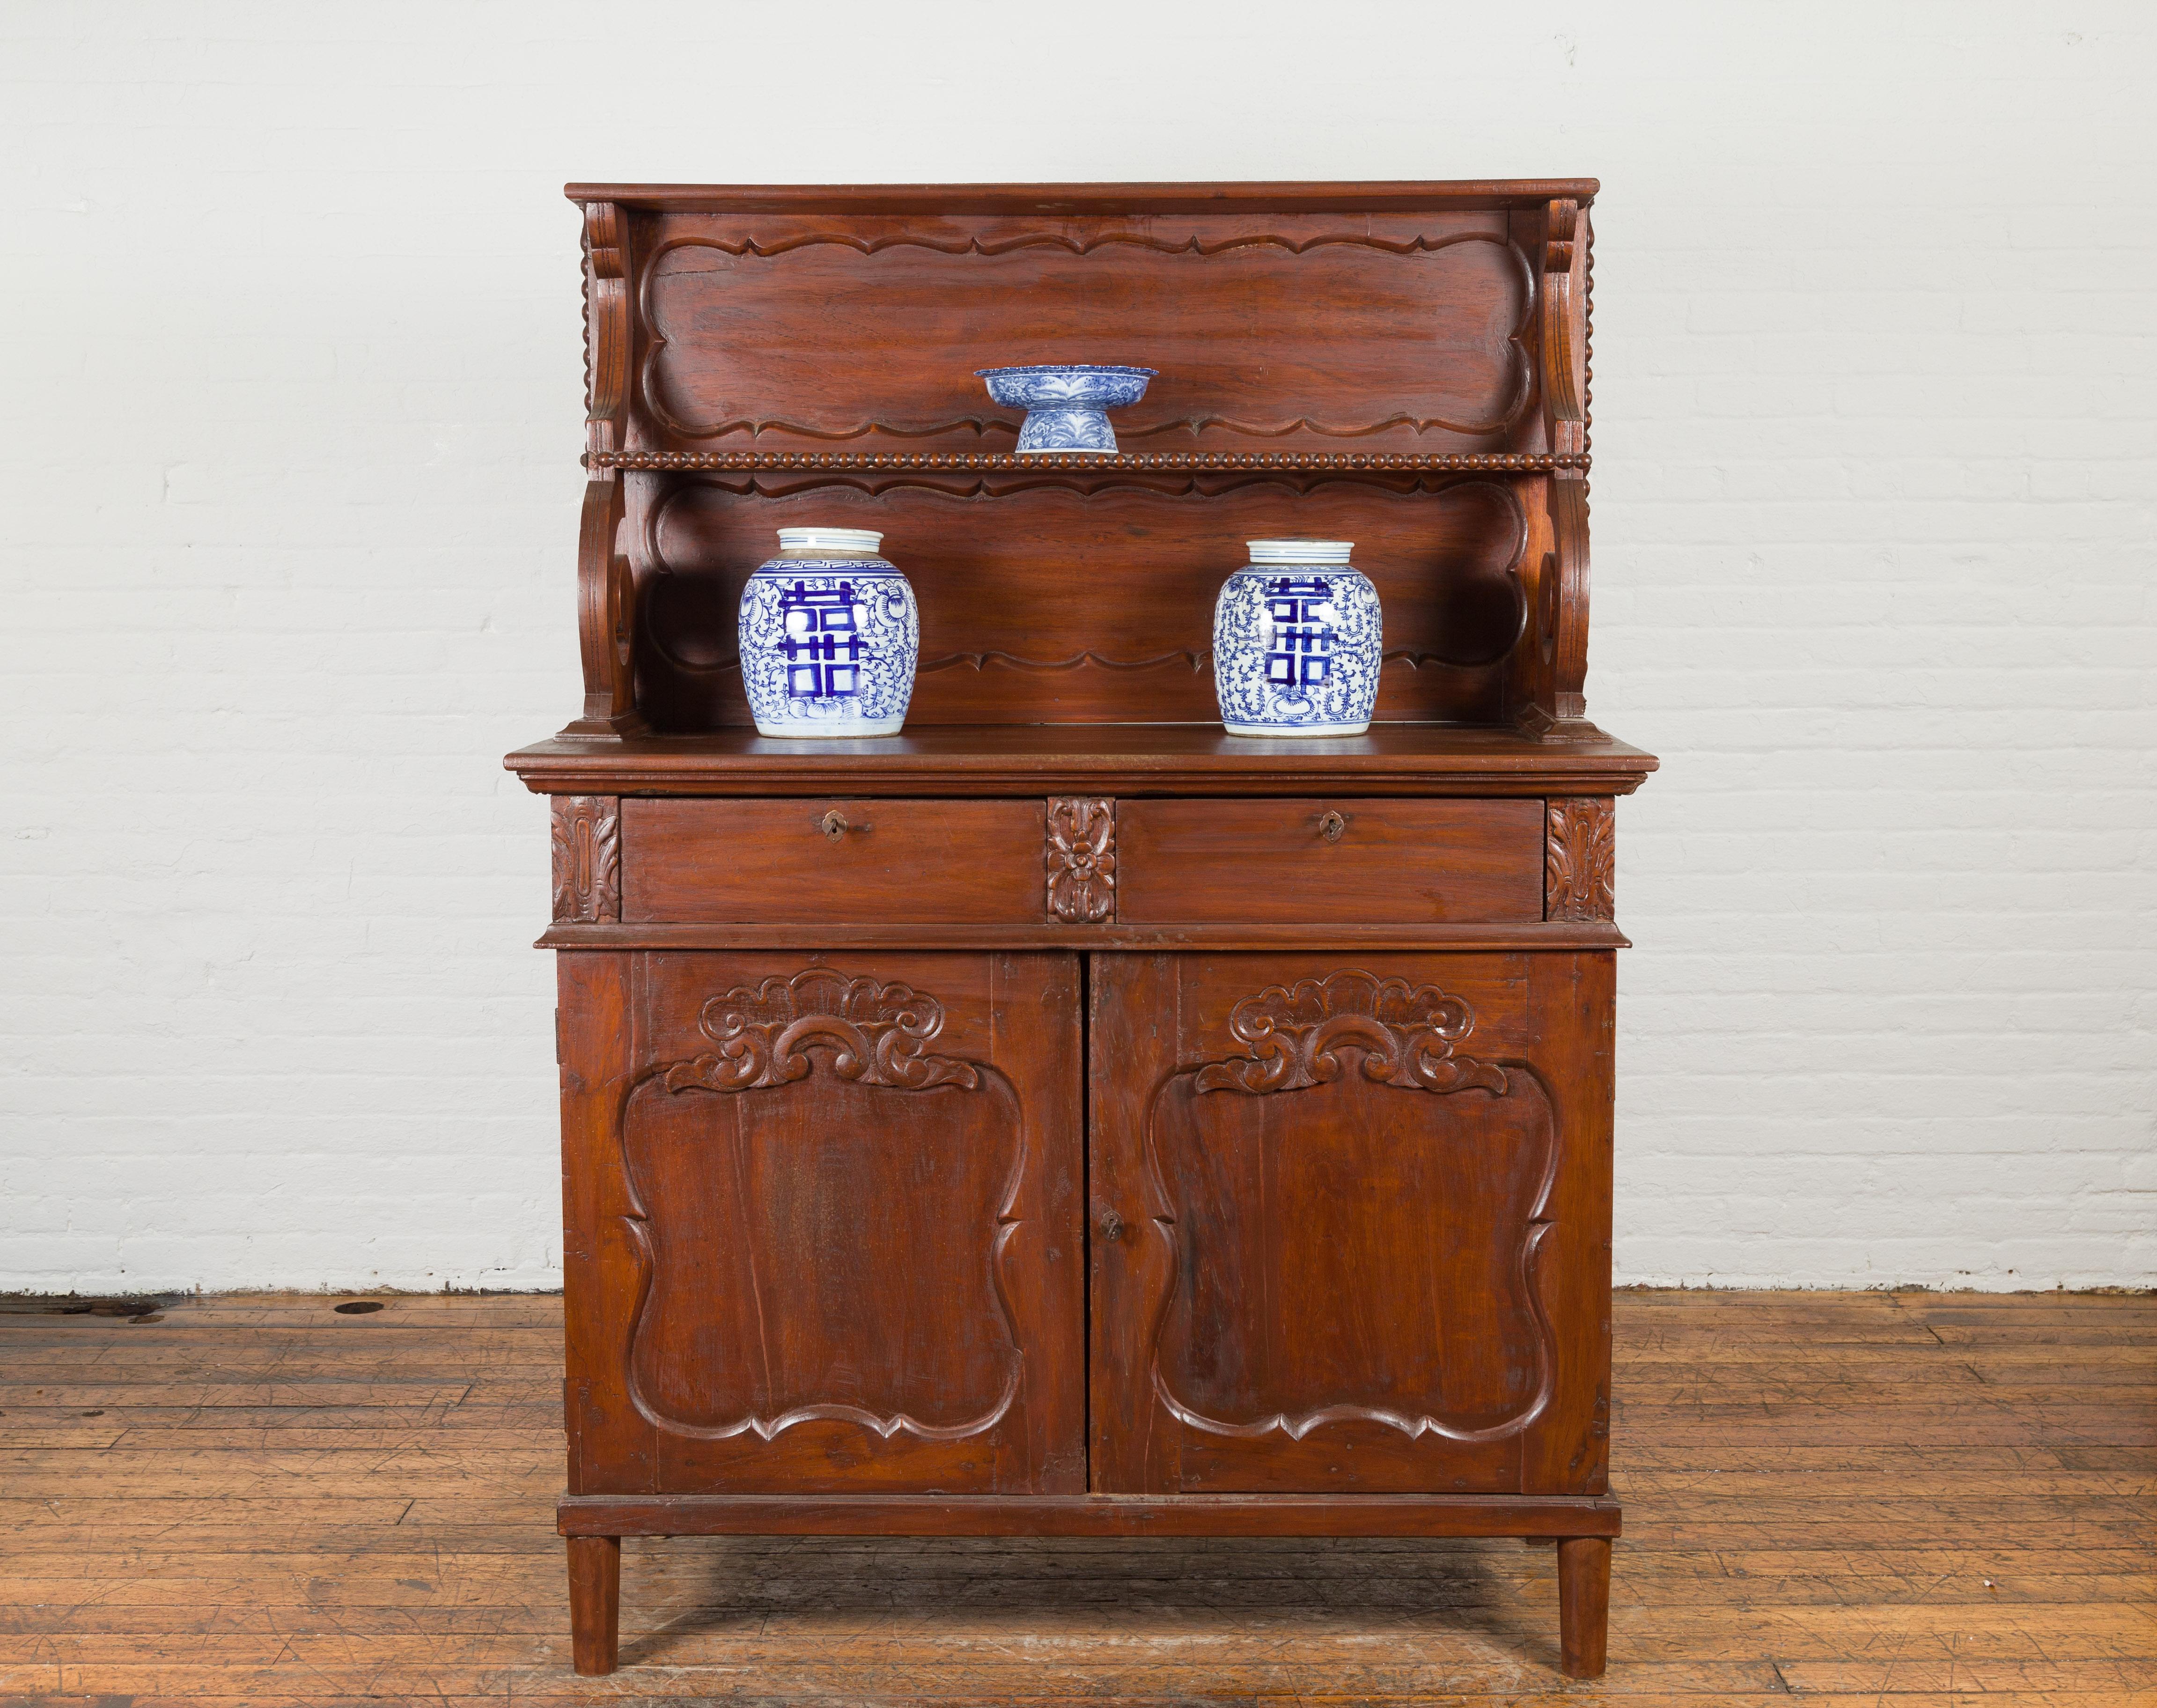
(1065, 1118)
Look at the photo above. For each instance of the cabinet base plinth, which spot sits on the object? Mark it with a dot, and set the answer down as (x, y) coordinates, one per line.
(1557, 1515)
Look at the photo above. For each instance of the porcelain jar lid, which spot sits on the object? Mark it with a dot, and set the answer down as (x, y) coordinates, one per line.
(1300, 551)
(829, 539)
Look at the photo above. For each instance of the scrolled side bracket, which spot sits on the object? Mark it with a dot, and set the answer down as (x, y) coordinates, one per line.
(606, 587)
(606, 614)
(1563, 334)
(1555, 709)
(1558, 710)
(606, 328)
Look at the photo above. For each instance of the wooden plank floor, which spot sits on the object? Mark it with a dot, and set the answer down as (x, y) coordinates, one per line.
(1845, 1498)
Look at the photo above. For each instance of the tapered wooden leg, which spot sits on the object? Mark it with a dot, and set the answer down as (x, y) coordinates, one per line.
(1584, 1605)
(595, 1603)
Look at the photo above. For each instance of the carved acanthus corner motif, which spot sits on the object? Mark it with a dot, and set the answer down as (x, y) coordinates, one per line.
(1080, 858)
(1404, 1032)
(877, 1035)
(587, 842)
(1580, 858)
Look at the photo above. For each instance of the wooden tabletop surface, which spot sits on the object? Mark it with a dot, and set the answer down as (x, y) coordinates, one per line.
(1128, 758)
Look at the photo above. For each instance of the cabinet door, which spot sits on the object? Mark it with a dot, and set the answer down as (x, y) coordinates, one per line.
(1350, 1222)
(824, 1223)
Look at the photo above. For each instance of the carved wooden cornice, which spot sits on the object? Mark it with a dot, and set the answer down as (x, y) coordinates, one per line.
(1036, 201)
(1080, 856)
(1405, 1034)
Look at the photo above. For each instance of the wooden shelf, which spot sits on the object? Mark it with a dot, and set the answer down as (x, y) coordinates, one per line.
(1171, 462)
(1558, 936)
(1110, 759)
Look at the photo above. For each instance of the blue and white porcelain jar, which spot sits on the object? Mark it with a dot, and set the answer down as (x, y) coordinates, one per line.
(1297, 642)
(830, 634)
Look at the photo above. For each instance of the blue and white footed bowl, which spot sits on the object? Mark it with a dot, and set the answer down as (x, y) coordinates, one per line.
(830, 636)
(1297, 642)
(1066, 407)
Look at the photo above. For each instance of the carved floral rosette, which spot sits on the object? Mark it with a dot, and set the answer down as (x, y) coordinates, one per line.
(1080, 858)
(878, 1035)
(1404, 1034)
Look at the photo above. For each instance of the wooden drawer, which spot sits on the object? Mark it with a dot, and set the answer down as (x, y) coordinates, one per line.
(940, 862)
(1200, 861)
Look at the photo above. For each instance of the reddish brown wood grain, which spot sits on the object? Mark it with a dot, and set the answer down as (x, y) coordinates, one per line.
(610, 1446)
(1552, 936)
(1093, 1515)
(1110, 760)
(1584, 1605)
(1319, 1190)
(1333, 858)
(278, 1503)
(844, 1234)
(739, 309)
(595, 1603)
(1572, 1020)
(1043, 604)
(844, 861)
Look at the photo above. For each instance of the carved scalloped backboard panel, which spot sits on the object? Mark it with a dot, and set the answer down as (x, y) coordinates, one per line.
(775, 331)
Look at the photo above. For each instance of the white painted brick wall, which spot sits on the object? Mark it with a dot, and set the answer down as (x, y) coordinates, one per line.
(291, 400)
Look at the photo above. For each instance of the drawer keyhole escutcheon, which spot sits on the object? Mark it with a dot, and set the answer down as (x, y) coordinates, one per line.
(1331, 826)
(834, 824)
(1112, 1225)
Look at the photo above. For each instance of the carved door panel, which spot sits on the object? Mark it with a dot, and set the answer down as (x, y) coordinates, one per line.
(831, 1225)
(1351, 1221)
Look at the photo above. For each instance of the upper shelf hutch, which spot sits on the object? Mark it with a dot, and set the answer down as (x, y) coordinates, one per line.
(1403, 365)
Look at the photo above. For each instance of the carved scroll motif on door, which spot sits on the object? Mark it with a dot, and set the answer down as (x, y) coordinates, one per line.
(822, 1211)
(1353, 1211)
